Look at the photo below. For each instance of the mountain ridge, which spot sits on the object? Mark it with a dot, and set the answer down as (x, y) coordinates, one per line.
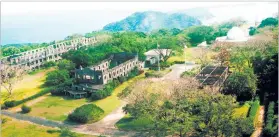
(151, 20)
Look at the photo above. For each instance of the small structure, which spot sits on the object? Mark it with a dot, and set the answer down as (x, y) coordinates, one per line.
(152, 56)
(212, 77)
(93, 78)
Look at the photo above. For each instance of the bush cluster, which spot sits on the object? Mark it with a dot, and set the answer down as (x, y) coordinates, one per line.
(154, 74)
(271, 119)
(86, 113)
(49, 64)
(25, 109)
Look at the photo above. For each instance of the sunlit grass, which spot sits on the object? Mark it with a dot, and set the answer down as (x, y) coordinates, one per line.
(28, 86)
(57, 108)
(16, 128)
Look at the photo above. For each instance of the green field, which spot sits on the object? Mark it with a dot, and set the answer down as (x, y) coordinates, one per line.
(16, 128)
(57, 107)
(28, 86)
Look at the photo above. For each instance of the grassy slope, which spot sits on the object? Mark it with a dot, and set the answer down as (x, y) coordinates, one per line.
(57, 108)
(16, 128)
(28, 86)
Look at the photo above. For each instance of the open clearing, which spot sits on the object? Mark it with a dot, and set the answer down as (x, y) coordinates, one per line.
(57, 107)
(18, 128)
(28, 86)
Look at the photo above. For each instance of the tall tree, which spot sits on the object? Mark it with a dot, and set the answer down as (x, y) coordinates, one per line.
(10, 75)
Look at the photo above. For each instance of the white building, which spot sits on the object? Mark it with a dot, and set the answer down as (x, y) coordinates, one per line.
(152, 56)
(235, 34)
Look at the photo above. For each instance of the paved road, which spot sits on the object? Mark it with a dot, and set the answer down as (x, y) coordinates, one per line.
(177, 70)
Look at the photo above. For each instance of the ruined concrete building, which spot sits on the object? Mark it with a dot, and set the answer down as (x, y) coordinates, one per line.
(91, 79)
(33, 59)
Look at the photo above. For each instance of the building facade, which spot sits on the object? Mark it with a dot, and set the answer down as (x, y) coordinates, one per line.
(33, 59)
(93, 78)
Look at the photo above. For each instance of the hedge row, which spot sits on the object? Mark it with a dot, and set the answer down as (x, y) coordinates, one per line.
(86, 113)
(270, 123)
(13, 103)
(254, 108)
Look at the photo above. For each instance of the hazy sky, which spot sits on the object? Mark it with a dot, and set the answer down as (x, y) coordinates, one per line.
(46, 21)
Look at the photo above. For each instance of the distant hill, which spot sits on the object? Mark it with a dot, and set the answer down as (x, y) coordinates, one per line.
(151, 20)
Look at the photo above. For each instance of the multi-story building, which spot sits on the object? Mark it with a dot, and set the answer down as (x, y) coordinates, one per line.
(91, 79)
(33, 59)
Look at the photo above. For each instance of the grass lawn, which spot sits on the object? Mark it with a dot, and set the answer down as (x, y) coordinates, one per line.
(242, 111)
(17, 128)
(28, 86)
(129, 123)
(191, 55)
(57, 108)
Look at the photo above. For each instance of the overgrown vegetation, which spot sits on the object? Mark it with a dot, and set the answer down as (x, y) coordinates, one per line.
(86, 113)
(111, 85)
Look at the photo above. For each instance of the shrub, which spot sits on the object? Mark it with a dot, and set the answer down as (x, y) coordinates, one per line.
(253, 109)
(106, 91)
(10, 104)
(270, 124)
(179, 62)
(25, 109)
(86, 113)
(122, 79)
(49, 64)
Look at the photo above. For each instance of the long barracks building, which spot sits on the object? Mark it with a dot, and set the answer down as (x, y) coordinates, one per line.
(33, 59)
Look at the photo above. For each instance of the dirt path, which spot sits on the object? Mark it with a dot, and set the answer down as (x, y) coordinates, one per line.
(259, 123)
(106, 126)
(29, 103)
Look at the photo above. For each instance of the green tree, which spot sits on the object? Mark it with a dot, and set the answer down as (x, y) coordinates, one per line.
(57, 77)
(201, 33)
(268, 22)
(66, 64)
(241, 84)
